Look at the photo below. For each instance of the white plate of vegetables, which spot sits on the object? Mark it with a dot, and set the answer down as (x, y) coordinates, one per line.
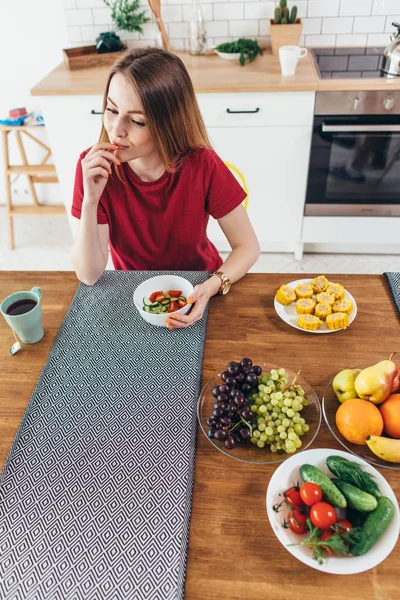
(333, 511)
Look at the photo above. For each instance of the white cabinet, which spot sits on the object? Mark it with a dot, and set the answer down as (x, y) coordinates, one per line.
(266, 136)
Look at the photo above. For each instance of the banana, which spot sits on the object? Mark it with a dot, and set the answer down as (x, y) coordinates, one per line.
(386, 448)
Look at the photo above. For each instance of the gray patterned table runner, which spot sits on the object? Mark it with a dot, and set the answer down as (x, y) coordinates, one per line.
(393, 280)
(95, 495)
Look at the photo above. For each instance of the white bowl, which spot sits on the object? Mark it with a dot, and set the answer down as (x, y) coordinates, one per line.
(283, 478)
(228, 55)
(161, 283)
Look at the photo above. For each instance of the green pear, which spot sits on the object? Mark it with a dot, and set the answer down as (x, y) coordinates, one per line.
(343, 384)
(377, 382)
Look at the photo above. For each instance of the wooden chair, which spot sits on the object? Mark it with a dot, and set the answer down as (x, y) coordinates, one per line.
(41, 173)
(243, 181)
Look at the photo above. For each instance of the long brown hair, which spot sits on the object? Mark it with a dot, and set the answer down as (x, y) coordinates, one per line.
(166, 93)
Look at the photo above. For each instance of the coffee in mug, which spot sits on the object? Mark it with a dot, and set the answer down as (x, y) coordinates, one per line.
(23, 313)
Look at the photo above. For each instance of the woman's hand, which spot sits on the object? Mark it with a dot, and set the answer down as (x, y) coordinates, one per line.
(96, 168)
(201, 295)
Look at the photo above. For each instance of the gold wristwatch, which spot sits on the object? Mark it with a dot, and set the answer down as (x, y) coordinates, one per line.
(225, 282)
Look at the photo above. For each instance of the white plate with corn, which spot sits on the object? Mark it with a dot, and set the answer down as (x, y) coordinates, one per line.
(315, 305)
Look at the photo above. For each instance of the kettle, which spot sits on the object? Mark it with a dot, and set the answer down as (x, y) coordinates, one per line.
(391, 55)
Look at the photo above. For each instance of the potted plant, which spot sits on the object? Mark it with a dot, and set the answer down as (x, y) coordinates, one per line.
(285, 27)
(127, 16)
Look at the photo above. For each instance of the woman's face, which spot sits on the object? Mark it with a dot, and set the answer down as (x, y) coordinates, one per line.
(125, 122)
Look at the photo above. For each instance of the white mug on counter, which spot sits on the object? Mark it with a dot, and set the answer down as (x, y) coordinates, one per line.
(289, 57)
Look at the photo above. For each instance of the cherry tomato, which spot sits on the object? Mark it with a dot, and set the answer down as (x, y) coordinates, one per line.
(297, 521)
(292, 497)
(181, 303)
(342, 526)
(322, 515)
(310, 493)
(160, 297)
(175, 293)
(172, 306)
(153, 296)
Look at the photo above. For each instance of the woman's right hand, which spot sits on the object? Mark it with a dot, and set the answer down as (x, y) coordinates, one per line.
(96, 169)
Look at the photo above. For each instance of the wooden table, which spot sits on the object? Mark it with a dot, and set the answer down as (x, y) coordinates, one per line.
(233, 554)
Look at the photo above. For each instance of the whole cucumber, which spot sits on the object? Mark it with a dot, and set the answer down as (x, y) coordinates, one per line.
(332, 494)
(355, 497)
(352, 472)
(375, 525)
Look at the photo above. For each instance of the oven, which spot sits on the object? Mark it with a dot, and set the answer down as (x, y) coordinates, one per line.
(354, 164)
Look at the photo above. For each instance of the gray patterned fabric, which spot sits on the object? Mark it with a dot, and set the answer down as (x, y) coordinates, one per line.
(95, 495)
(393, 280)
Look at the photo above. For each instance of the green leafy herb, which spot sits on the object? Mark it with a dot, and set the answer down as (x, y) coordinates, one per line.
(126, 15)
(248, 49)
(353, 473)
(336, 545)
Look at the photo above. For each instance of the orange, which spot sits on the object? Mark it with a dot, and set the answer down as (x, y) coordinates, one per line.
(356, 419)
(390, 411)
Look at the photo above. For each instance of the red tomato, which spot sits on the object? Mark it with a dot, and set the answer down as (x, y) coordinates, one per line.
(160, 297)
(342, 526)
(172, 306)
(181, 303)
(310, 493)
(297, 521)
(153, 296)
(175, 293)
(322, 515)
(292, 497)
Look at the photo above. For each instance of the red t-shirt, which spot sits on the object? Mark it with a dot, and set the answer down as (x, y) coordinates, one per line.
(161, 225)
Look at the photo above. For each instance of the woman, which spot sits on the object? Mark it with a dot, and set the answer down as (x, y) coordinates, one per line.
(147, 188)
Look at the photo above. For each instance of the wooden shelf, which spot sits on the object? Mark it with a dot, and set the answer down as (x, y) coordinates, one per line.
(31, 170)
(44, 209)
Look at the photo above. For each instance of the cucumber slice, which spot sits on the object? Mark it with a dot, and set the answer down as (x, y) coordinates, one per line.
(146, 309)
(165, 302)
(154, 305)
(146, 302)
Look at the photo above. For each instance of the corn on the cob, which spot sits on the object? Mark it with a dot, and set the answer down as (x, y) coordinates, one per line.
(319, 284)
(285, 295)
(303, 290)
(344, 306)
(305, 306)
(322, 310)
(336, 289)
(338, 320)
(309, 322)
(325, 298)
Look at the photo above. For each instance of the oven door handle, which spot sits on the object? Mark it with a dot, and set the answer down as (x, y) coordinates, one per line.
(360, 128)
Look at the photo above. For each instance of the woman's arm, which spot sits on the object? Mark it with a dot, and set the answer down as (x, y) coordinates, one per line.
(245, 251)
(89, 253)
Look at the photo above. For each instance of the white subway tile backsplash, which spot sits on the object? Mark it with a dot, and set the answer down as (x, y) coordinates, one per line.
(351, 39)
(378, 39)
(325, 22)
(102, 16)
(384, 7)
(320, 41)
(78, 17)
(369, 24)
(243, 28)
(389, 20)
(337, 25)
(353, 8)
(323, 8)
(312, 26)
(233, 11)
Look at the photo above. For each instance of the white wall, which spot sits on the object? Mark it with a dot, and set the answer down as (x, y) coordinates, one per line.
(325, 22)
(32, 35)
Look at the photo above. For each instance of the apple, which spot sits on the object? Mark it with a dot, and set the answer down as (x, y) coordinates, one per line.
(343, 384)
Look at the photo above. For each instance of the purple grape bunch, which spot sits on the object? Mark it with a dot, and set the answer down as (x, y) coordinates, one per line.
(232, 418)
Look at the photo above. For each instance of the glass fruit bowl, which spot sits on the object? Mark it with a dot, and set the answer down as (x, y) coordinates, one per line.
(247, 445)
(330, 404)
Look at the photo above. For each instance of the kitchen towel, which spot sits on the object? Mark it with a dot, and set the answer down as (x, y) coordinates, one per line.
(393, 280)
(95, 495)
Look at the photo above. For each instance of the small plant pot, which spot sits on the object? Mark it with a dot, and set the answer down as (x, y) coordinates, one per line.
(285, 35)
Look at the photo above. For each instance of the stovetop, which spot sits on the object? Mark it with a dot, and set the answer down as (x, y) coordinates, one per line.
(349, 63)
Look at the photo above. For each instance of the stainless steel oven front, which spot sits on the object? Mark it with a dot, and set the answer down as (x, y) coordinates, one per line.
(355, 155)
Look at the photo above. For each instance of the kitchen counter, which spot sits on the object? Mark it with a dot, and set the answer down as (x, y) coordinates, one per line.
(211, 74)
(233, 552)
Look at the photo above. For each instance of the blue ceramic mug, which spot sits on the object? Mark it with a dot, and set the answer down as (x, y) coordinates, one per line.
(23, 313)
